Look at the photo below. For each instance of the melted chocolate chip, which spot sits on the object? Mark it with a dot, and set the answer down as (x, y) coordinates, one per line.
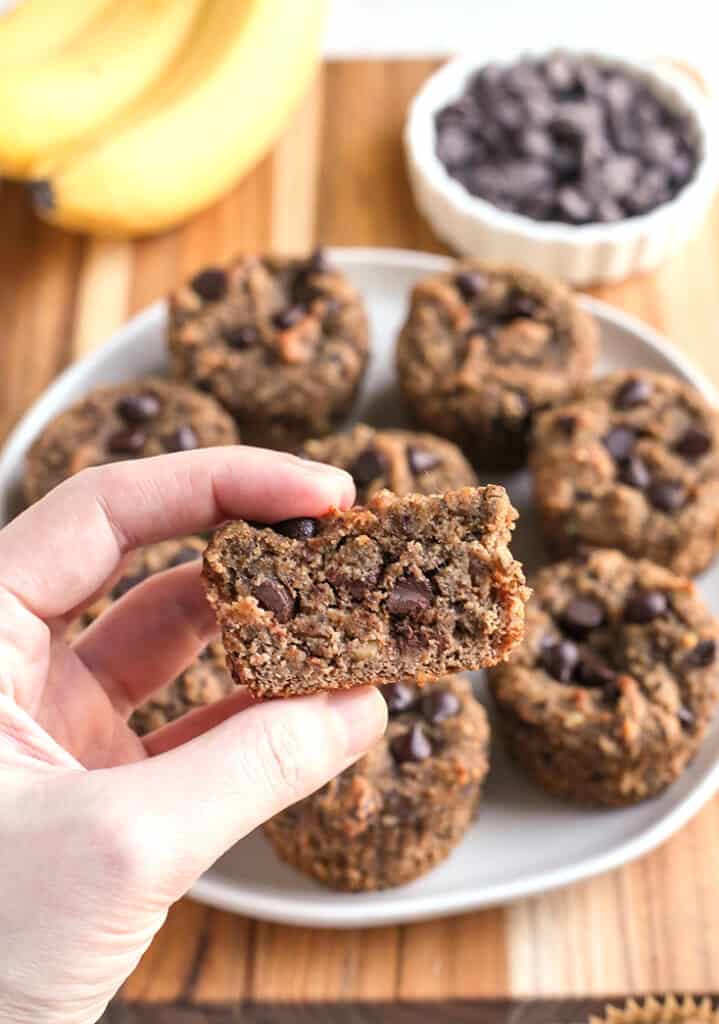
(439, 705)
(560, 659)
(593, 671)
(522, 304)
(567, 425)
(184, 439)
(644, 606)
(667, 495)
(694, 443)
(633, 392)
(288, 317)
(241, 336)
(409, 597)
(126, 442)
(421, 461)
(210, 284)
(635, 473)
(301, 528)
(583, 614)
(368, 466)
(274, 597)
(138, 408)
(399, 697)
(470, 284)
(183, 556)
(619, 442)
(702, 654)
(412, 745)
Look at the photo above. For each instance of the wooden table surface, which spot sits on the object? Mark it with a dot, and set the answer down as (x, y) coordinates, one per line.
(337, 176)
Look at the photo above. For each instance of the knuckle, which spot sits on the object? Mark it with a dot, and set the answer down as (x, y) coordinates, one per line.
(283, 758)
(123, 845)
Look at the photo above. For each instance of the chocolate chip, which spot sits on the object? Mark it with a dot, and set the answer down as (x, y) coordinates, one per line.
(287, 318)
(183, 556)
(635, 473)
(567, 425)
(409, 596)
(644, 606)
(560, 659)
(138, 408)
(301, 528)
(126, 442)
(686, 718)
(274, 597)
(521, 304)
(470, 284)
(210, 284)
(455, 147)
(126, 583)
(693, 443)
(635, 391)
(583, 614)
(439, 705)
(399, 697)
(593, 671)
(667, 495)
(421, 461)
(368, 466)
(412, 745)
(241, 335)
(573, 206)
(184, 439)
(702, 654)
(619, 442)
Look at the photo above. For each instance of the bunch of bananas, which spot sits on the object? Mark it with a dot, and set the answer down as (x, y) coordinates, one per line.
(126, 116)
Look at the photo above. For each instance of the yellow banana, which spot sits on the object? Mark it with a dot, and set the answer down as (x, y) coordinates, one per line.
(35, 28)
(100, 71)
(210, 118)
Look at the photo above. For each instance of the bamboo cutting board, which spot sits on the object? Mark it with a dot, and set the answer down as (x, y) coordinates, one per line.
(337, 176)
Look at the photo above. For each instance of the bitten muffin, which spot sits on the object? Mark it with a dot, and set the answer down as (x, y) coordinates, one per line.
(405, 805)
(610, 693)
(399, 460)
(483, 349)
(149, 416)
(412, 587)
(206, 679)
(632, 463)
(281, 343)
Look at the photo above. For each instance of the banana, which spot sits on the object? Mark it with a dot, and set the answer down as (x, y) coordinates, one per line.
(35, 28)
(211, 117)
(67, 96)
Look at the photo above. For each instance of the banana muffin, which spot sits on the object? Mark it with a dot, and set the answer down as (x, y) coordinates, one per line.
(483, 349)
(149, 416)
(405, 805)
(206, 679)
(632, 463)
(399, 460)
(405, 587)
(281, 343)
(609, 695)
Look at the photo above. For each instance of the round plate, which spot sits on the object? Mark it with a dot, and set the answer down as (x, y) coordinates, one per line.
(524, 842)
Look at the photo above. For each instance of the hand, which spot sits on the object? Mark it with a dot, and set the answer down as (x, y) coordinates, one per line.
(101, 831)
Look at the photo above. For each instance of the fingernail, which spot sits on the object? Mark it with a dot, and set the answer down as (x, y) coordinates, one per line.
(340, 478)
(363, 715)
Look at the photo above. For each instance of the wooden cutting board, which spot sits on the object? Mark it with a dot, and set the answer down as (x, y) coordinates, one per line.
(337, 176)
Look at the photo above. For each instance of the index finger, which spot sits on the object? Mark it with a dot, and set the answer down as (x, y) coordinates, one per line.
(64, 547)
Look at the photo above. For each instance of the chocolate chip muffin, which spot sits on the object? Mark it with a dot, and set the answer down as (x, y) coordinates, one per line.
(405, 805)
(483, 349)
(610, 693)
(281, 343)
(206, 679)
(411, 587)
(632, 463)
(149, 416)
(399, 460)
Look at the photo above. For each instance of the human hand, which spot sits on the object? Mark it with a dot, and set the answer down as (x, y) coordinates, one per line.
(101, 831)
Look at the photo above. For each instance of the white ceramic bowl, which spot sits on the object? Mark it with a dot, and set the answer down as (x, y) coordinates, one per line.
(582, 254)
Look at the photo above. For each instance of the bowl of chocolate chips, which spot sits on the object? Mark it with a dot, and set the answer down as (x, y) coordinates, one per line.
(583, 165)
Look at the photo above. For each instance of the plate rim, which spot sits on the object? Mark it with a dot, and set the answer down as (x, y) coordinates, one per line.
(353, 910)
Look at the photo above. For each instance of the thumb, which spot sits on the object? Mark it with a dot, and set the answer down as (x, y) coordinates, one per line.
(193, 802)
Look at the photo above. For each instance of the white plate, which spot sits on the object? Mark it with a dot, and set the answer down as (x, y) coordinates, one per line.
(524, 842)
